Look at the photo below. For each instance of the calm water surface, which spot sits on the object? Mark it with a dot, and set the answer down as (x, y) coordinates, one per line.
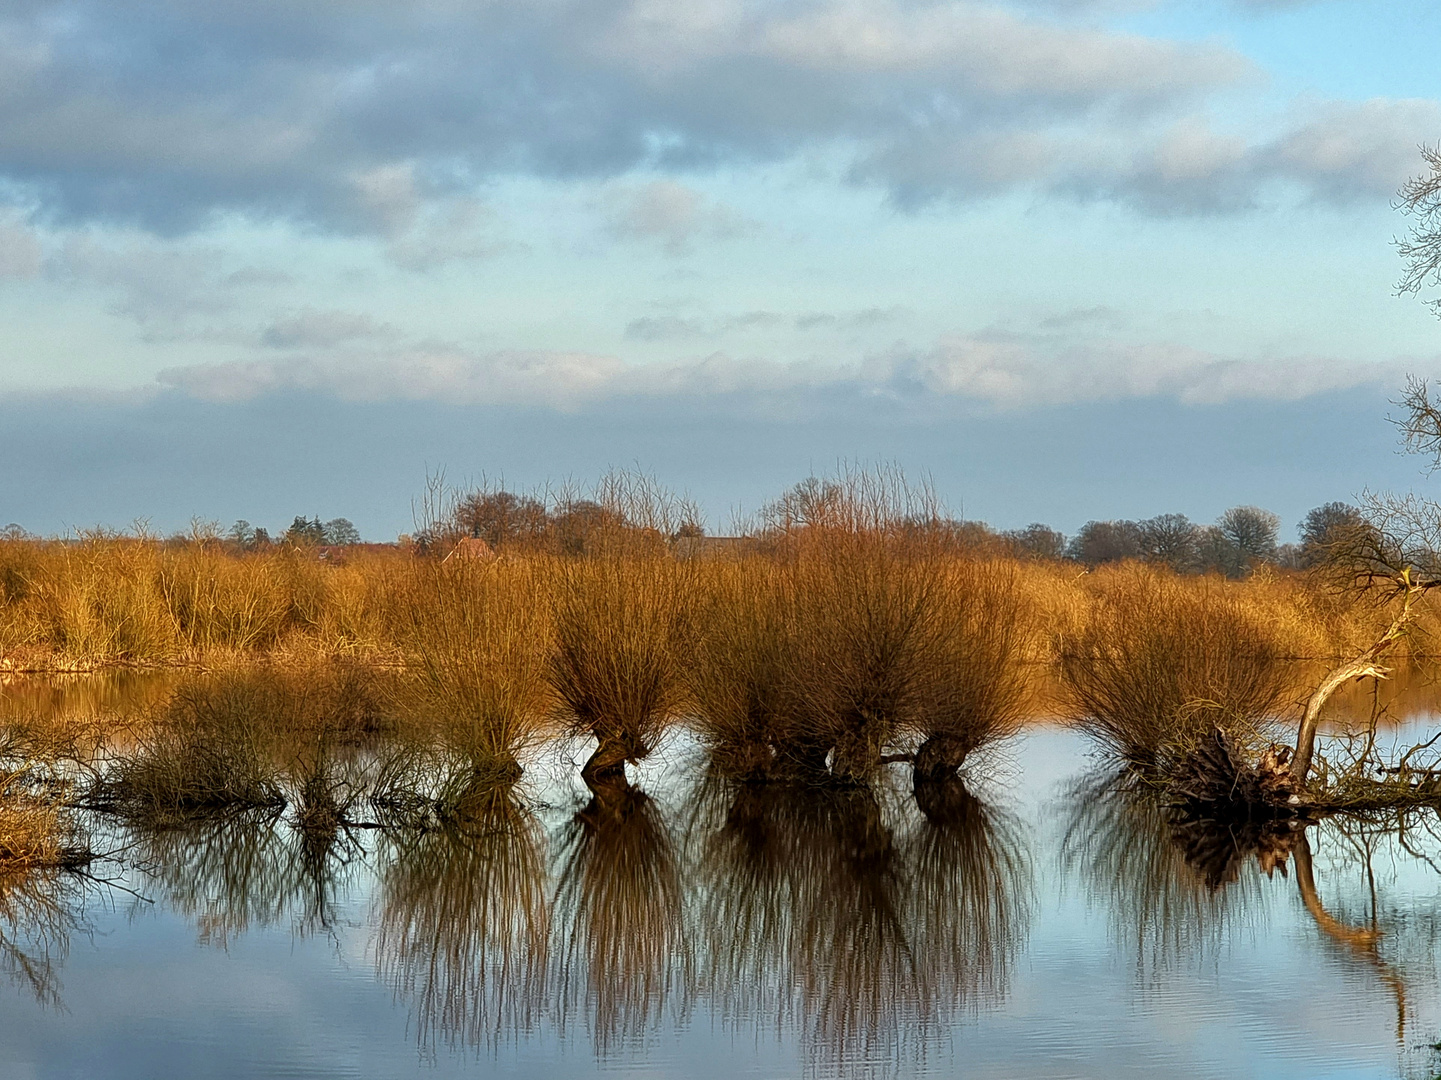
(1042, 926)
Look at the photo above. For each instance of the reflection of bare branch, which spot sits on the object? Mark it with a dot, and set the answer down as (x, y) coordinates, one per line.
(464, 924)
(242, 870)
(36, 919)
(1360, 942)
(620, 907)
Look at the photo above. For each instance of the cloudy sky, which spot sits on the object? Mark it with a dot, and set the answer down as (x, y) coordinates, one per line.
(1072, 258)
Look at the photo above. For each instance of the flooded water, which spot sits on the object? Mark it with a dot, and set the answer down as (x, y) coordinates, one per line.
(1043, 924)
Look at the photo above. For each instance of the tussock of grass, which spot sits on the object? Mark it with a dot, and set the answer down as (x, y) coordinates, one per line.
(227, 742)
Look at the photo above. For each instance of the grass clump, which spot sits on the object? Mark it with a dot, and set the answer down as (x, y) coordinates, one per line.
(1162, 661)
(977, 687)
(741, 676)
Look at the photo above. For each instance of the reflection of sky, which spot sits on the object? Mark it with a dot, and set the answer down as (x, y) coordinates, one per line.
(1266, 995)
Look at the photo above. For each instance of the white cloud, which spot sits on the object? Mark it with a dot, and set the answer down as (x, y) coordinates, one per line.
(997, 371)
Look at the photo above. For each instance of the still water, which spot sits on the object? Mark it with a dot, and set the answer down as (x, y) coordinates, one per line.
(1044, 925)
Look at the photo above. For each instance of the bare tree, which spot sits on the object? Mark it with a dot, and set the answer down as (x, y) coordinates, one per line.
(1170, 539)
(1421, 248)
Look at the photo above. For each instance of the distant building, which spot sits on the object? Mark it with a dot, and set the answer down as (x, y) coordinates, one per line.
(471, 547)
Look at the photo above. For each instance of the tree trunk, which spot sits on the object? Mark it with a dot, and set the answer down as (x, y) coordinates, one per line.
(1359, 668)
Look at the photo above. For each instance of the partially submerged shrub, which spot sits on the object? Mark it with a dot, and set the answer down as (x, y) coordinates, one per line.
(977, 684)
(1163, 661)
(36, 784)
(740, 678)
(622, 632)
(864, 607)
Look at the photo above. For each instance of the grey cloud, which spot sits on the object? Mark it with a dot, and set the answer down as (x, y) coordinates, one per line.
(851, 320)
(675, 328)
(1335, 152)
(1101, 317)
(1355, 150)
(20, 251)
(155, 282)
(165, 112)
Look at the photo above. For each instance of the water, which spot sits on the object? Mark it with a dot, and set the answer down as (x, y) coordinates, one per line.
(1052, 928)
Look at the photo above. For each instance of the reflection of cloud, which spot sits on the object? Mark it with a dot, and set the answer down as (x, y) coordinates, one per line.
(1005, 372)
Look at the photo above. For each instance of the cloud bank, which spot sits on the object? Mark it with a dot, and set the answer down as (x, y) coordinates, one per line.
(998, 372)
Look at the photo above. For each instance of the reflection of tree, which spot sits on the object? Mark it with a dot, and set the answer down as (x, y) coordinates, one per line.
(37, 916)
(464, 924)
(241, 870)
(970, 898)
(1172, 883)
(619, 914)
(816, 914)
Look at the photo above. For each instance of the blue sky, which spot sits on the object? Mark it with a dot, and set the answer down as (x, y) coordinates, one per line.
(1073, 259)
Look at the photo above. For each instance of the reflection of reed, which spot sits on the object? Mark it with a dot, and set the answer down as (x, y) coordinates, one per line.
(464, 924)
(1173, 890)
(37, 916)
(817, 916)
(248, 869)
(620, 908)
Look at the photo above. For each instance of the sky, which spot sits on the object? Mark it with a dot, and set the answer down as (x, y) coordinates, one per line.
(1069, 259)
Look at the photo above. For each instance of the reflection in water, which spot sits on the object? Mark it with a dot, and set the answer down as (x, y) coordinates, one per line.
(815, 914)
(38, 913)
(240, 870)
(622, 949)
(463, 923)
(1173, 884)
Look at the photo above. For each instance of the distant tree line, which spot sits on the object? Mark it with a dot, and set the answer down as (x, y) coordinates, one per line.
(1242, 538)
(303, 531)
